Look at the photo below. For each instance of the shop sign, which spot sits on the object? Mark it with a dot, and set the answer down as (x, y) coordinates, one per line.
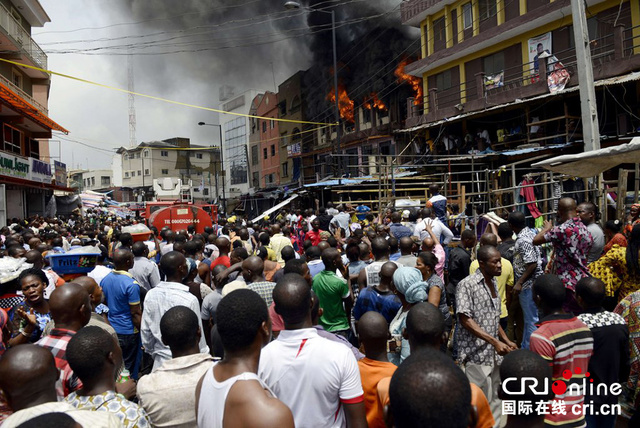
(294, 150)
(14, 166)
(40, 171)
(60, 172)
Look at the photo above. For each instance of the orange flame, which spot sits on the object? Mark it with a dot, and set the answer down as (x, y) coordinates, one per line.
(345, 104)
(415, 82)
(372, 101)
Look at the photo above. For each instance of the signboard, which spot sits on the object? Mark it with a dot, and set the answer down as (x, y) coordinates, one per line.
(14, 166)
(294, 149)
(40, 171)
(60, 173)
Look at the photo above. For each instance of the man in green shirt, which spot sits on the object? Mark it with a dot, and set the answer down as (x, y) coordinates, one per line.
(334, 294)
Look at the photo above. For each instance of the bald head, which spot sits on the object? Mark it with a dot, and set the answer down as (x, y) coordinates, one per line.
(489, 239)
(386, 273)
(35, 258)
(223, 245)
(70, 306)
(566, 209)
(123, 259)
(91, 286)
(292, 299)
(330, 258)
(428, 243)
(323, 245)
(140, 249)
(406, 245)
(425, 327)
(173, 264)
(28, 376)
(373, 330)
(252, 269)
(275, 229)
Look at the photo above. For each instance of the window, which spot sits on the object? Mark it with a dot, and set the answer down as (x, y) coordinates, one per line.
(16, 78)
(205, 191)
(295, 104)
(273, 124)
(284, 139)
(467, 16)
(285, 169)
(254, 155)
(264, 126)
(165, 172)
(273, 150)
(198, 155)
(125, 156)
(139, 173)
(439, 30)
(126, 174)
(487, 8)
(164, 153)
(93, 181)
(147, 172)
(138, 155)
(236, 150)
(493, 64)
(105, 180)
(443, 80)
(265, 153)
(146, 153)
(12, 140)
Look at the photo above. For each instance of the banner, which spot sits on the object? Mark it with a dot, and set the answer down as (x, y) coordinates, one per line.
(294, 150)
(558, 76)
(538, 46)
(495, 81)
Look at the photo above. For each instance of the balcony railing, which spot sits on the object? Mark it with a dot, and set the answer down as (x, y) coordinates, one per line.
(410, 9)
(22, 38)
(28, 98)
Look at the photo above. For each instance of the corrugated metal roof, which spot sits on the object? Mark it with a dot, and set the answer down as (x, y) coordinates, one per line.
(357, 180)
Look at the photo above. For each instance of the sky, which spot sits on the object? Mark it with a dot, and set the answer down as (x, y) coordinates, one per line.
(99, 117)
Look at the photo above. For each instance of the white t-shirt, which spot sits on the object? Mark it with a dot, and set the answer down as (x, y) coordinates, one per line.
(313, 376)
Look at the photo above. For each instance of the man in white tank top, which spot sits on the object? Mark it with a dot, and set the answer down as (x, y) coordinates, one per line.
(370, 275)
(230, 394)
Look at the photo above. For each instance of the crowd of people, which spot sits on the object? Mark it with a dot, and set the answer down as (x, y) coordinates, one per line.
(326, 317)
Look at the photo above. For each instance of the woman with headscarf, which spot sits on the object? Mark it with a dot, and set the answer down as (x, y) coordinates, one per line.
(633, 218)
(426, 264)
(408, 285)
(619, 269)
(613, 236)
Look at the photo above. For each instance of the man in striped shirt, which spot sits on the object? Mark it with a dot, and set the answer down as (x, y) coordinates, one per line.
(567, 344)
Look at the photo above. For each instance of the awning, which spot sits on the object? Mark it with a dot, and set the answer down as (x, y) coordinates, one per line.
(590, 164)
(34, 184)
(274, 209)
(25, 108)
(357, 180)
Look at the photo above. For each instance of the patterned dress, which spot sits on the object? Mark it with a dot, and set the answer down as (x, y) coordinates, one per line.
(130, 414)
(571, 244)
(611, 268)
(629, 308)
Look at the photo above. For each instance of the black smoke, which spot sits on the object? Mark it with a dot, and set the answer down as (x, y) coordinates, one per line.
(228, 42)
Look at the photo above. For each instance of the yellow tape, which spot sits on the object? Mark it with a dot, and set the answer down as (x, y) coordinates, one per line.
(159, 98)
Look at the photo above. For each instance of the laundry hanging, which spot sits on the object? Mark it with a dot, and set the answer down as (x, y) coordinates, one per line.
(526, 191)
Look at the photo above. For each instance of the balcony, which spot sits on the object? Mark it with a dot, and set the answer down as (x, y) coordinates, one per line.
(412, 12)
(615, 54)
(21, 39)
(28, 98)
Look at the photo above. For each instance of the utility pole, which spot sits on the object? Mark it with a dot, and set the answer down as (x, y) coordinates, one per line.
(588, 106)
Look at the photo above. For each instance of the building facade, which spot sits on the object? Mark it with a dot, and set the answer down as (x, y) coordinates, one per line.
(175, 157)
(269, 141)
(25, 171)
(97, 180)
(291, 106)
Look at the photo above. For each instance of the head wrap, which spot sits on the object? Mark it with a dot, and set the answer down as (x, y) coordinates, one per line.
(635, 206)
(408, 281)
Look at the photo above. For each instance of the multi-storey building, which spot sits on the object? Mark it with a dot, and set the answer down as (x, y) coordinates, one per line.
(96, 179)
(254, 143)
(175, 157)
(236, 145)
(25, 170)
(269, 141)
(494, 71)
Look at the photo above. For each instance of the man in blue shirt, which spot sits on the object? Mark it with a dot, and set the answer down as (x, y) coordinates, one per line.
(362, 210)
(122, 296)
(397, 229)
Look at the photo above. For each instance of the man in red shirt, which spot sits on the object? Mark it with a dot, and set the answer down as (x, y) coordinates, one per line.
(566, 343)
(314, 234)
(223, 245)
